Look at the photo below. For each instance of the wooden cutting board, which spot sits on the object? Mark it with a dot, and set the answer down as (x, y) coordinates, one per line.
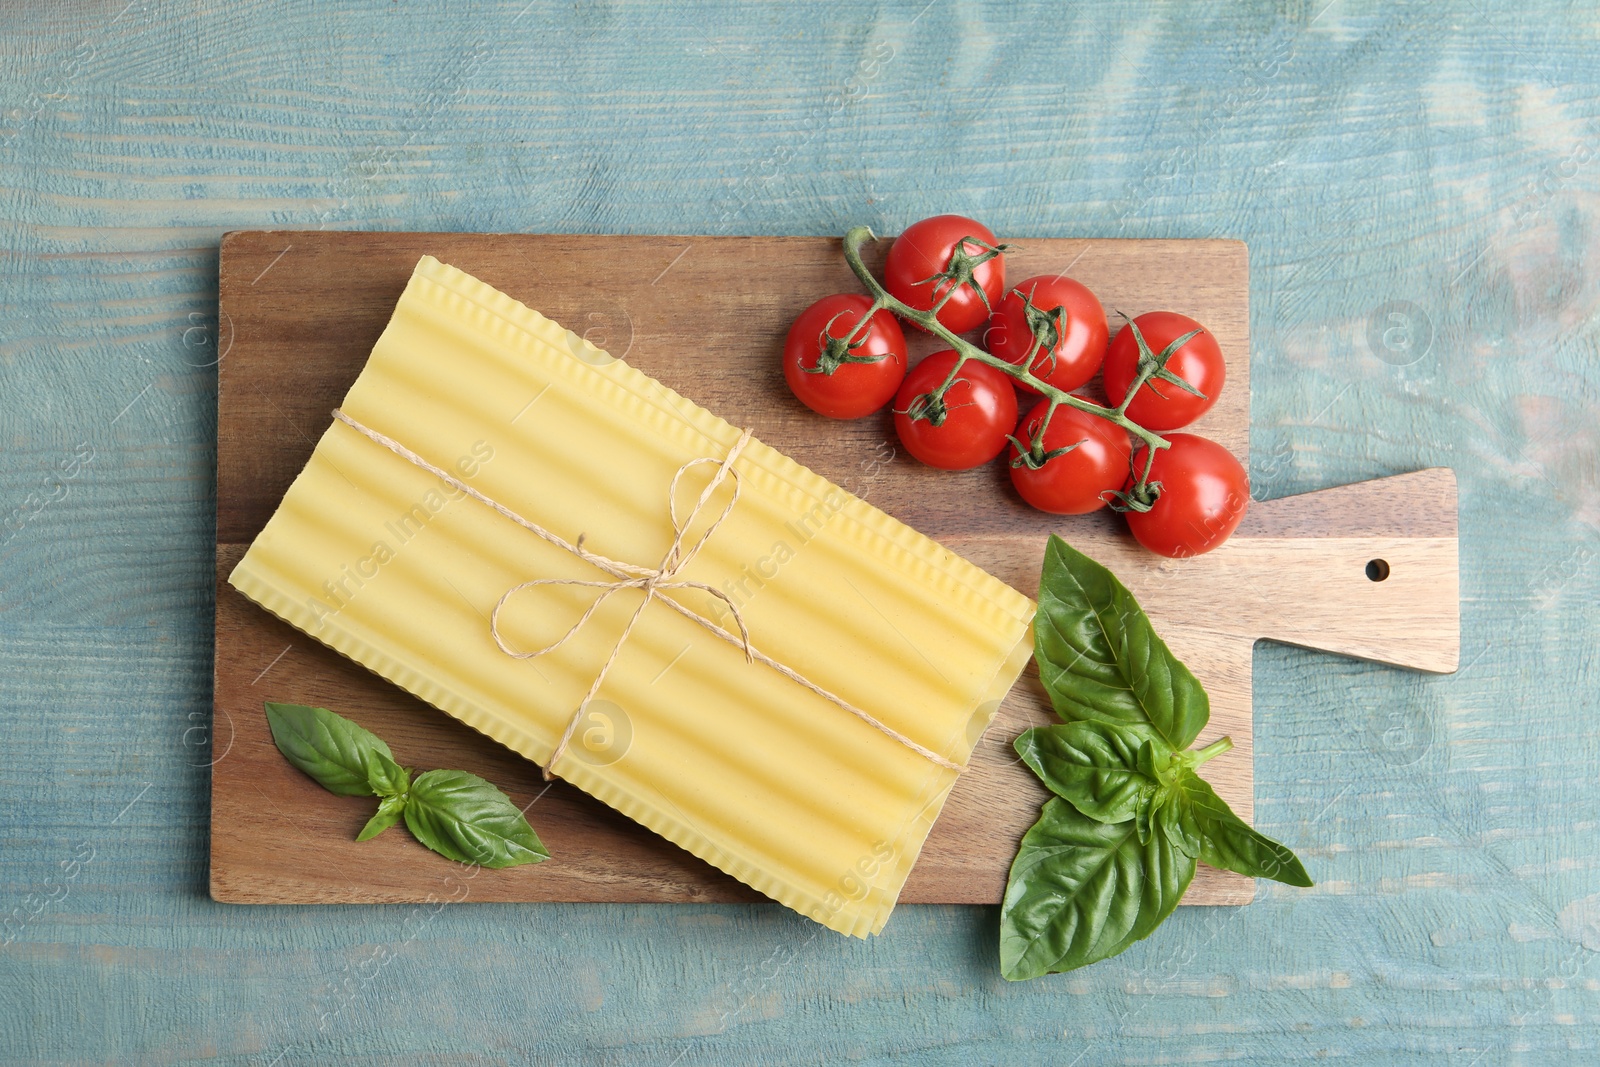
(300, 311)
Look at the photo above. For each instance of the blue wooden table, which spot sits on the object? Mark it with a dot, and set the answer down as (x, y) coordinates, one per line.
(1418, 186)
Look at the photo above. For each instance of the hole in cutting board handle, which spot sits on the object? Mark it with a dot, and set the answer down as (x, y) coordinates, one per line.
(1377, 569)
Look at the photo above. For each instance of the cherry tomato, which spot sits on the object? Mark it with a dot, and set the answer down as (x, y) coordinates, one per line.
(1204, 494)
(969, 426)
(1081, 459)
(1162, 404)
(919, 271)
(1065, 312)
(838, 380)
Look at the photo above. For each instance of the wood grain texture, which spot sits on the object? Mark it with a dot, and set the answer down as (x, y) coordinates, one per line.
(1424, 293)
(707, 316)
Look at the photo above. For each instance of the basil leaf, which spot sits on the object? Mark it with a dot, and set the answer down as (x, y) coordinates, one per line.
(1176, 819)
(1101, 660)
(341, 756)
(1227, 841)
(1093, 765)
(1081, 891)
(1154, 761)
(1144, 815)
(464, 818)
(388, 813)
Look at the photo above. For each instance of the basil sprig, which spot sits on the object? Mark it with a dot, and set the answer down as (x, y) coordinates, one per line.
(1115, 849)
(456, 814)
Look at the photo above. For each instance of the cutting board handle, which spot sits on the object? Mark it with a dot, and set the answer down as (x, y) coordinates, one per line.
(1368, 570)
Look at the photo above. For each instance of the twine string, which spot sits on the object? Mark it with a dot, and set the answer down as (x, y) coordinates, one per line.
(654, 582)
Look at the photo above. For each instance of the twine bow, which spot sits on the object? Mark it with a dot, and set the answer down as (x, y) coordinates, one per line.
(654, 582)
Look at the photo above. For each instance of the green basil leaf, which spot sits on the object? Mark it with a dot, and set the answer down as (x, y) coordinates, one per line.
(1081, 891)
(1175, 818)
(464, 818)
(1227, 841)
(1093, 765)
(341, 756)
(388, 813)
(1144, 815)
(1155, 761)
(1101, 660)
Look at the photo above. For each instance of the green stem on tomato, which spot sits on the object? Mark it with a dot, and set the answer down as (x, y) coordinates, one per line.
(863, 324)
(1149, 464)
(1146, 371)
(965, 350)
(1033, 354)
(1133, 389)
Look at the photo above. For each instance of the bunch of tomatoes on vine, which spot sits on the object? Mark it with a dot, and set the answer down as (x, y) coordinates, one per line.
(1044, 338)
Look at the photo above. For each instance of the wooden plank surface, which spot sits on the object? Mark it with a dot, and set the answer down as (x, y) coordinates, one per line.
(1418, 194)
(300, 311)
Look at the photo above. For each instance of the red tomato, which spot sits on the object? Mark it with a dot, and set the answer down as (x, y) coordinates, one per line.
(1089, 460)
(838, 380)
(1070, 319)
(1162, 404)
(968, 427)
(920, 271)
(1204, 494)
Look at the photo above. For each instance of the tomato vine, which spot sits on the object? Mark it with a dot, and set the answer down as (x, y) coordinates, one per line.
(1142, 493)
